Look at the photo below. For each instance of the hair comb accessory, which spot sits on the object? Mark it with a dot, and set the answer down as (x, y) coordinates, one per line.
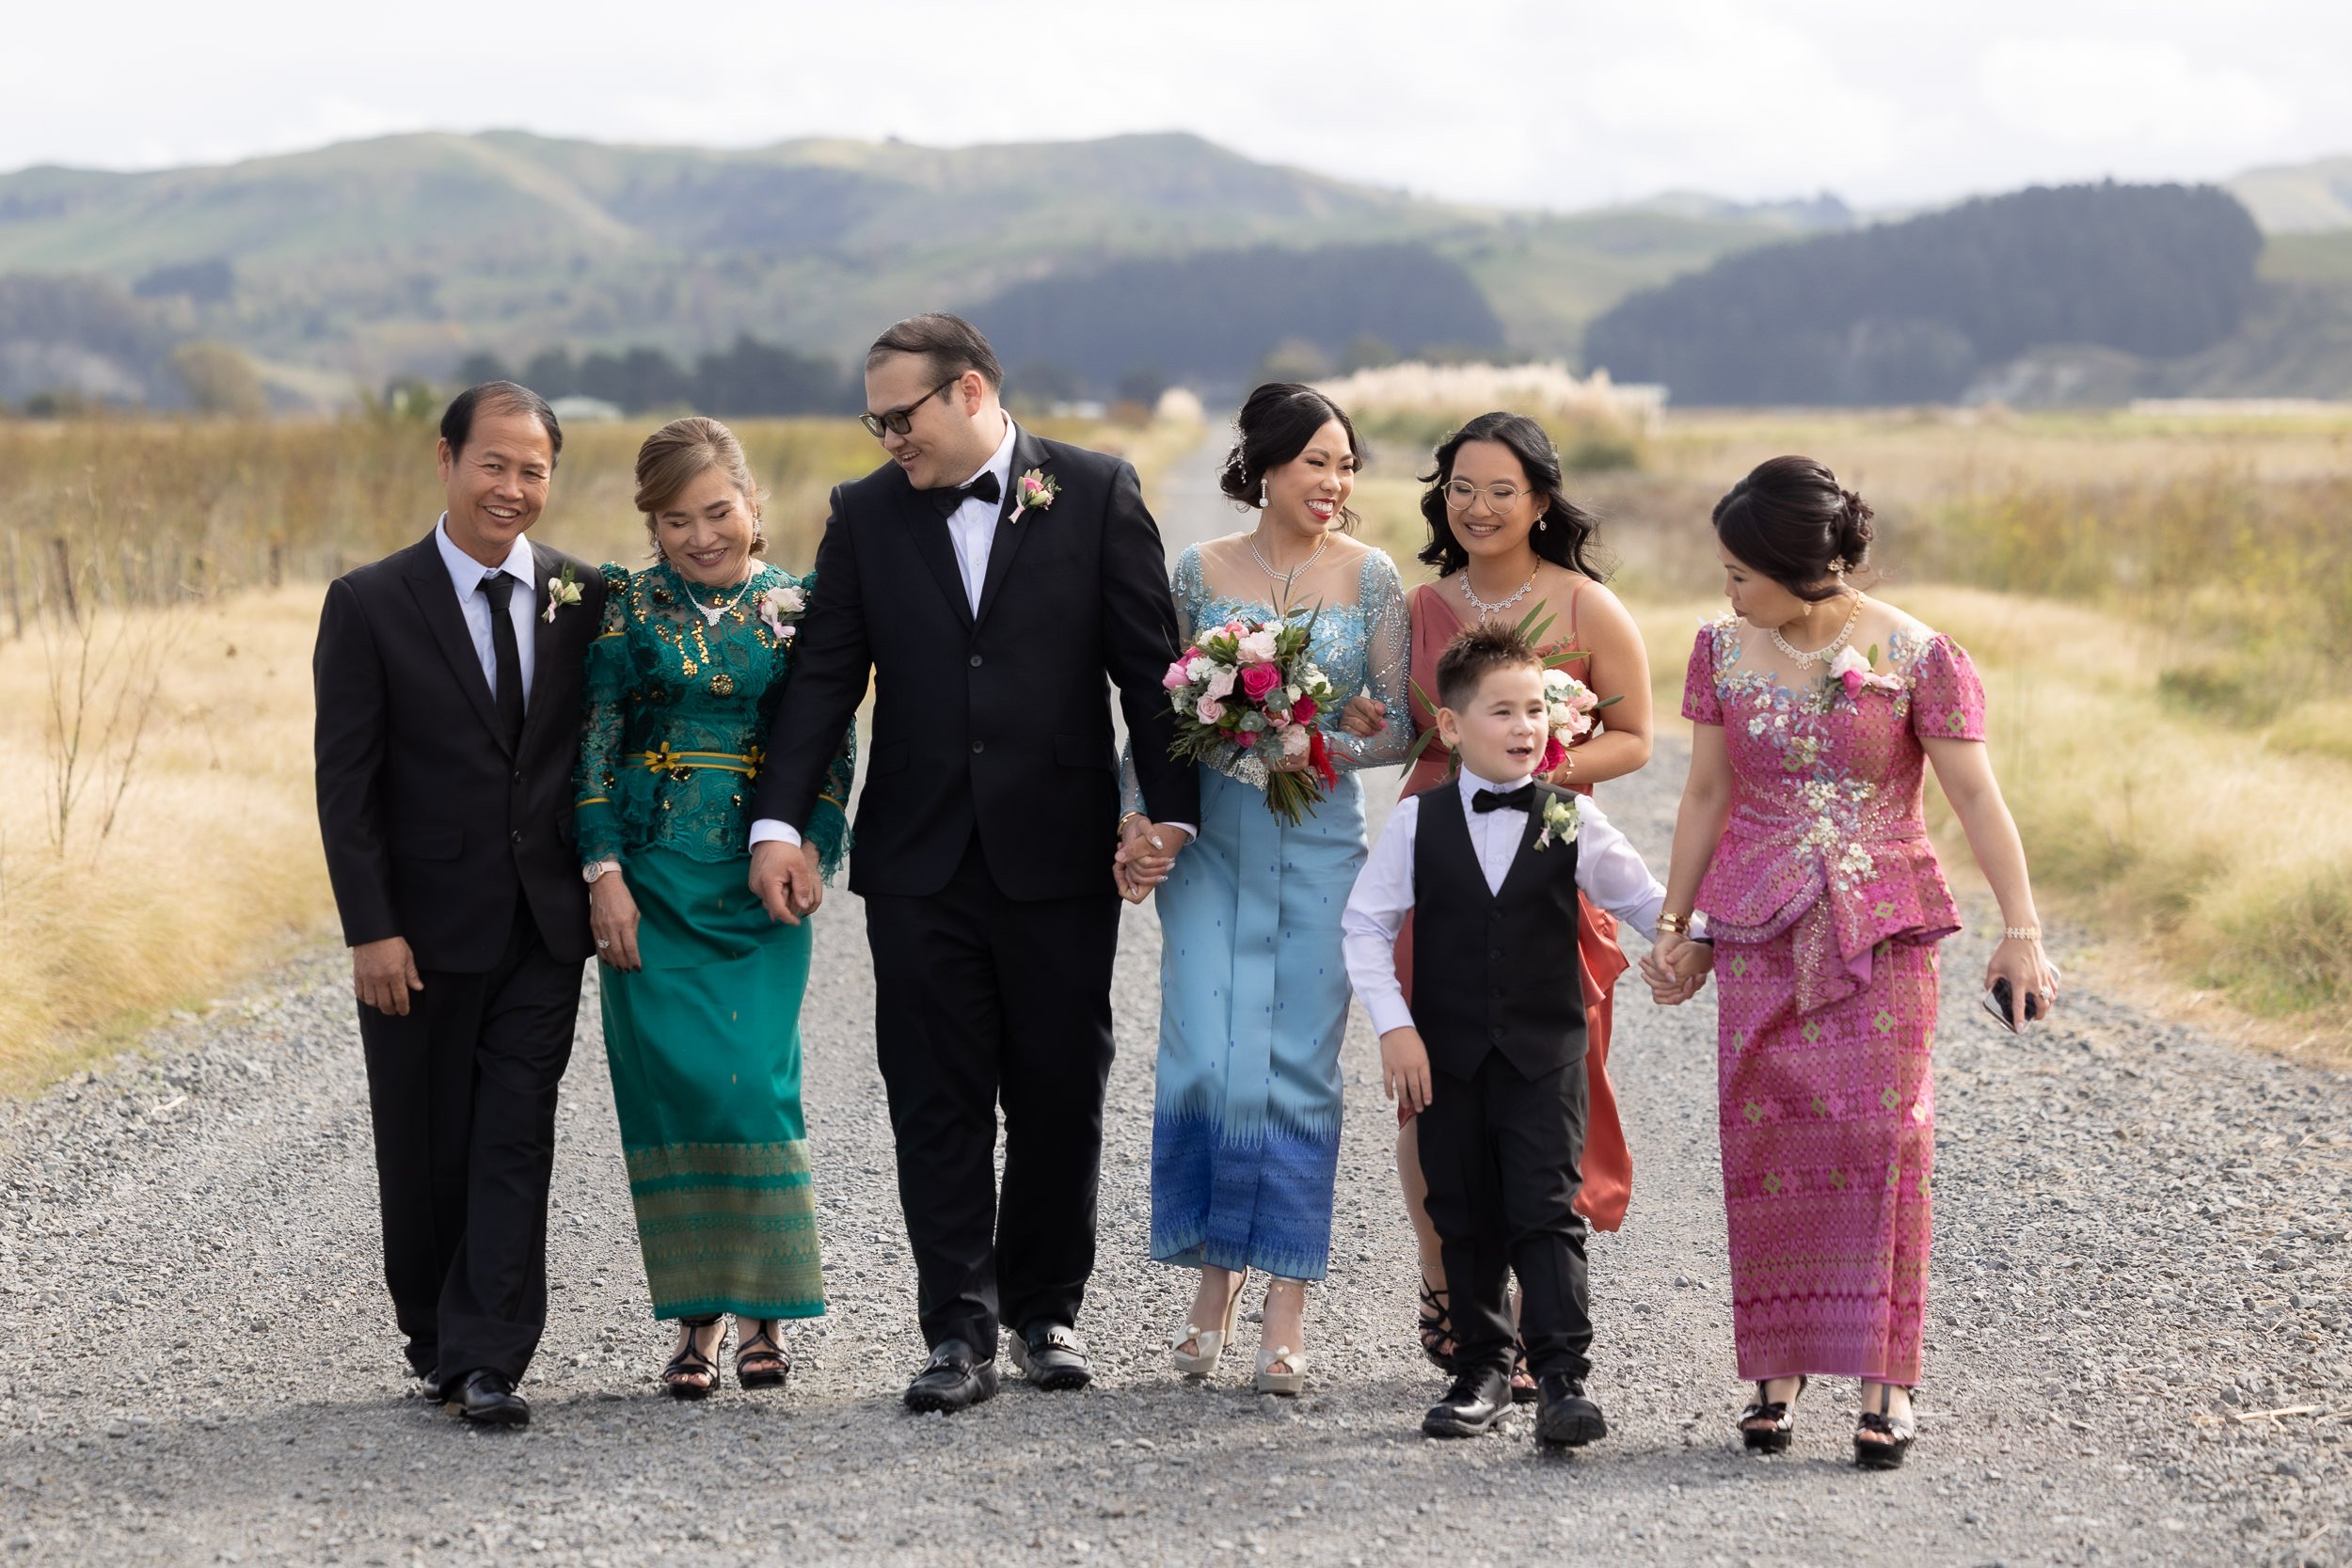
(1837, 565)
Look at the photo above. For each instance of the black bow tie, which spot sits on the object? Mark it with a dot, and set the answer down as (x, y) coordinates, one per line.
(1521, 799)
(983, 488)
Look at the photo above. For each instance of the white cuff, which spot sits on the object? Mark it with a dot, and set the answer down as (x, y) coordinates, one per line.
(768, 828)
(1388, 1012)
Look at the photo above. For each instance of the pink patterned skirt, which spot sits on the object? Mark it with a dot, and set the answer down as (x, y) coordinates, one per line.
(1828, 1124)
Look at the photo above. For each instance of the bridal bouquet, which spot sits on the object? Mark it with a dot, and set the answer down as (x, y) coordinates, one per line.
(1571, 707)
(1249, 685)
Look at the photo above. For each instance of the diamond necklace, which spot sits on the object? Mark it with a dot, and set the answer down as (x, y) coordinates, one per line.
(1487, 610)
(1829, 650)
(714, 612)
(1286, 577)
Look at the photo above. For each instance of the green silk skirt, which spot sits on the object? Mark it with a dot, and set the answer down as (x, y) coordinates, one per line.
(703, 1043)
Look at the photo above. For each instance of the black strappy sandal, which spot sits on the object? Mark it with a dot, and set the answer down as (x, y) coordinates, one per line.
(1781, 1412)
(1436, 1328)
(760, 1361)
(1524, 1389)
(1886, 1449)
(690, 1362)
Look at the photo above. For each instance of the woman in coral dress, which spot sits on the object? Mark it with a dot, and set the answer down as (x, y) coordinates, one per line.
(1801, 838)
(1506, 540)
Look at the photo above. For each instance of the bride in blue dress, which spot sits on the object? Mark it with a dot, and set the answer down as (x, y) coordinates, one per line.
(1254, 994)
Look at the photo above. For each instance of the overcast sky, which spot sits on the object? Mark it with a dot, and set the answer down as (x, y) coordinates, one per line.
(1560, 103)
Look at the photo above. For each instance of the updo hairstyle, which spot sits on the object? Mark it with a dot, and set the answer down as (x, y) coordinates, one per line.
(1277, 421)
(1790, 520)
(1565, 533)
(681, 453)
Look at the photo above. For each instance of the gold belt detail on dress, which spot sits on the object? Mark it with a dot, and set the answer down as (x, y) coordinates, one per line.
(680, 764)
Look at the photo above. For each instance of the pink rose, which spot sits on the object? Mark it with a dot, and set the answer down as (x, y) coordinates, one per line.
(1554, 754)
(1221, 681)
(1303, 711)
(1258, 680)
(1853, 680)
(1210, 710)
(1176, 677)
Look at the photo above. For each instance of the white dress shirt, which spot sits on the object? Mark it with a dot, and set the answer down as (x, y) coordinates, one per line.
(1608, 867)
(465, 576)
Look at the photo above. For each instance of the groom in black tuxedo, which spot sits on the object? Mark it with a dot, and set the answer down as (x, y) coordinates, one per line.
(989, 582)
(448, 677)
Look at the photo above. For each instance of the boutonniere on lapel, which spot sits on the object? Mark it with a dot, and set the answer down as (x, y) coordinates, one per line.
(1560, 822)
(1033, 491)
(1852, 672)
(562, 593)
(780, 610)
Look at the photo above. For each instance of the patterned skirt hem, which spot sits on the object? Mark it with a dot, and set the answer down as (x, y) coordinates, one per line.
(743, 1306)
(1198, 1251)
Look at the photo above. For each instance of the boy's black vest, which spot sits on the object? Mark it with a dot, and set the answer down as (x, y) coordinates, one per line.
(1495, 970)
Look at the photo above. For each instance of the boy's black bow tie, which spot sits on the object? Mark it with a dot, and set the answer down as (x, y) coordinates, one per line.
(1521, 799)
(984, 488)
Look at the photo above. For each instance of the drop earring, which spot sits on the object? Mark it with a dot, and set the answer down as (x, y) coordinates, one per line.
(1262, 495)
(1542, 523)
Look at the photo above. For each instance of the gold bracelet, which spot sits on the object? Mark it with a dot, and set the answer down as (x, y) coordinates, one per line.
(1568, 766)
(1679, 923)
(1127, 816)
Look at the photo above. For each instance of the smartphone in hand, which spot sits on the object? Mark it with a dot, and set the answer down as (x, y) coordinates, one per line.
(2001, 1004)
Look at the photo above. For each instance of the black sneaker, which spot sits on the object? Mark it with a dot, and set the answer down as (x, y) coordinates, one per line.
(1479, 1397)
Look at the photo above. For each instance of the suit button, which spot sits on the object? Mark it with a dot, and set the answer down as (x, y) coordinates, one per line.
(1495, 952)
(979, 746)
(519, 777)
(516, 835)
(976, 661)
(1495, 1033)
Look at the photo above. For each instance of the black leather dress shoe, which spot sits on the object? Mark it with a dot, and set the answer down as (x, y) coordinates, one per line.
(1481, 1396)
(955, 1378)
(430, 1386)
(1565, 1419)
(1053, 1356)
(487, 1399)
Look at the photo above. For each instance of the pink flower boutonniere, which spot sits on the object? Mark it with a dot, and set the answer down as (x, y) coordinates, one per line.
(1034, 490)
(562, 593)
(1853, 672)
(780, 610)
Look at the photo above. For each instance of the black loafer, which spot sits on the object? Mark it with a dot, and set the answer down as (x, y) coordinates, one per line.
(955, 1378)
(487, 1399)
(1479, 1397)
(1565, 1419)
(1053, 1356)
(430, 1386)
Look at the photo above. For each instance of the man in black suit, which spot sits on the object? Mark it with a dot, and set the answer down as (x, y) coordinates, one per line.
(448, 677)
(987, 581)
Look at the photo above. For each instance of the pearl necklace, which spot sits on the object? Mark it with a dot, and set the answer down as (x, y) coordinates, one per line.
(1821, 655)
(712, 612)
(1485, 610)
(1286, 577)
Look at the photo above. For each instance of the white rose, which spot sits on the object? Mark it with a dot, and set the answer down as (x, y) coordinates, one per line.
(1848, 660)
(1257, 648)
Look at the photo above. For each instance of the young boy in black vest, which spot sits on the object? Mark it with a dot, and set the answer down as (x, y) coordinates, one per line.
(1490, 1051)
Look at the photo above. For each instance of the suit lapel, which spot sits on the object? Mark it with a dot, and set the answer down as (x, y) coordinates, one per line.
(437, 600)
(929, 531)
(543, 636)
(1027, 453)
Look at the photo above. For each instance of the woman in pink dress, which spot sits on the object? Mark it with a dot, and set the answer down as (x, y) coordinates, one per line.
(1506, 540)
(1799, 837)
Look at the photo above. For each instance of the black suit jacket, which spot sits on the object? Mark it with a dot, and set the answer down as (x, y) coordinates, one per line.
(998, 720)
(434, 826)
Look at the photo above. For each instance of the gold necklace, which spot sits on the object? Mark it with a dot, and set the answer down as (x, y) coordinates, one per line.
(1825, 653)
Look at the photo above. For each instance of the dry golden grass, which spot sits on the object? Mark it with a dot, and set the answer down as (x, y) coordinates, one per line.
(213, 868)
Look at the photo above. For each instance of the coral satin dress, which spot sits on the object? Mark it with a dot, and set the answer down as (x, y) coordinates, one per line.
(1608, 1166)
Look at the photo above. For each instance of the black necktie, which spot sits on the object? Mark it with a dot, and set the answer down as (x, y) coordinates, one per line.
(984, 488)
(499, 589)
(1521, 799)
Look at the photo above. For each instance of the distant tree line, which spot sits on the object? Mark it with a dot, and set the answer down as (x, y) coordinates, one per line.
(1913, 312)
(1212, 318)
(749, 377)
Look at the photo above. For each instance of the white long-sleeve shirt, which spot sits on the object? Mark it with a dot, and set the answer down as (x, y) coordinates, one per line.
(1608, 868)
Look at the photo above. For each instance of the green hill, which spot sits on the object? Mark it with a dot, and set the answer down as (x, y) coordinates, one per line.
(399, 256)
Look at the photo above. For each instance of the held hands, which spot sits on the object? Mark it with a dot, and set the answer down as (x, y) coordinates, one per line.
(1146, 851)
(1404, 1069)
(383, 974)
(1675, 968)
(789, 880)
(613, 920)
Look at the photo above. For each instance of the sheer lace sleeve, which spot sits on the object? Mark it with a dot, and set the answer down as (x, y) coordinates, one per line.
(1187, 586)
(829, 824)
(604, 699)
(1387, 662)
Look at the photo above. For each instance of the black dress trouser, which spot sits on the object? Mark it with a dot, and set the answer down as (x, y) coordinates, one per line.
(1502, 1154)
(978, 998)
(463, 1092)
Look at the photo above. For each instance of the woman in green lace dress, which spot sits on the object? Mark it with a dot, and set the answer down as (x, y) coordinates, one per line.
(700, 991)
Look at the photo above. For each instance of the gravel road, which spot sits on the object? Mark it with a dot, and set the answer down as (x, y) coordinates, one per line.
(2141, 1330)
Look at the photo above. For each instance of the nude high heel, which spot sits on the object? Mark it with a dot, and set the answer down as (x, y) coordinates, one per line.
(1209, 1343)
(1293, 1381)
